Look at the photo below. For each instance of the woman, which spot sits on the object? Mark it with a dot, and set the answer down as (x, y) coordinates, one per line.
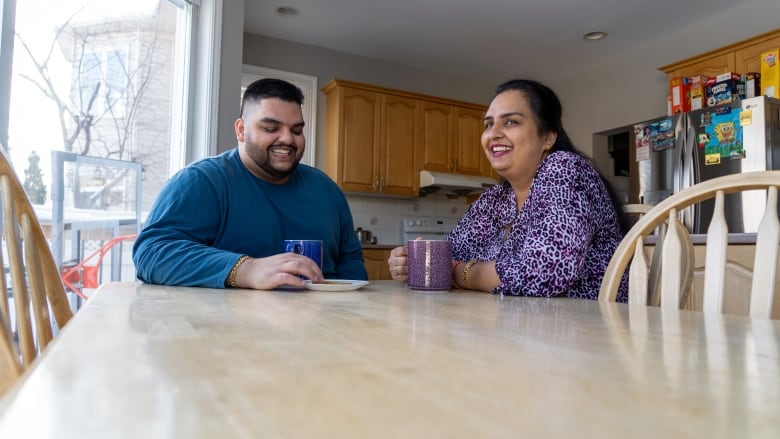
(550, 228)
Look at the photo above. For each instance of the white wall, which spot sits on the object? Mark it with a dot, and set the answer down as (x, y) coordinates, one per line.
(231, 54)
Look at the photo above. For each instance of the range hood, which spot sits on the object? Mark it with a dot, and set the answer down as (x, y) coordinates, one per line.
(453, 183)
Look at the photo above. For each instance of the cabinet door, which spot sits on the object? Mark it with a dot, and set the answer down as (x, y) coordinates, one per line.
(376, 264)
(711, 66)
(398, 146)
(469, 157)
(437, 137)
(748, 58)
(360, 137)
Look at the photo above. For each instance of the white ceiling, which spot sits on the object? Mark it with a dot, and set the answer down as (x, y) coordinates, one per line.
(486, 40)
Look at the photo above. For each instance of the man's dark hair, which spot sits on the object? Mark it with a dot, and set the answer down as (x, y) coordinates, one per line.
(271, 88)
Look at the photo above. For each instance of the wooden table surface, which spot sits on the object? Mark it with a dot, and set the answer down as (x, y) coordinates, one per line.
(145, 361)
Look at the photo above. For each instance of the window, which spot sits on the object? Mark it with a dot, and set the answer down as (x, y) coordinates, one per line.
(106, 80)
(102, 79)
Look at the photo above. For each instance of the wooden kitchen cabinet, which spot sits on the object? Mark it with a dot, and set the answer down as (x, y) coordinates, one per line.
(376, 263)
(452, 139)
(372, 141)
(379, 139)
(740, 57)
(748, 58)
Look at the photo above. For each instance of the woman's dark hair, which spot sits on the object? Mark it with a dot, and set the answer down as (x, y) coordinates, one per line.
(271, 88)
(547, 111)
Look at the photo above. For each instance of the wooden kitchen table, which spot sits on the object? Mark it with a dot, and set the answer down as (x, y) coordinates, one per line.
(145, 361)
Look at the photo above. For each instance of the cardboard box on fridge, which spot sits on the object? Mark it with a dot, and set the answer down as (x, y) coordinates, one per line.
(723, 89)
(698, 100)
(770, 73)
(752, 82)
(680, 90)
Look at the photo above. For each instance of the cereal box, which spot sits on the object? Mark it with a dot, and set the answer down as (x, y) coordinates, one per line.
(723, 89)
(698, 100)
(770, 73)
(752, 82)
(680, 89)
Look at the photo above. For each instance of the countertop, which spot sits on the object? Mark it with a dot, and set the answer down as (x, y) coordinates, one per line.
(380, 246)
(733, 239)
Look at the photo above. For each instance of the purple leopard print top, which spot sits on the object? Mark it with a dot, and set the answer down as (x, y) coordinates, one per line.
(560, 241)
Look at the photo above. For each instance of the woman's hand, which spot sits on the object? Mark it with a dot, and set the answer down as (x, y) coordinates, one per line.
(397, 263)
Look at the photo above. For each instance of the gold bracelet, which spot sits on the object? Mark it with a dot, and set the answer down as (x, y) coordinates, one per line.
(464, 275)
(231, 279)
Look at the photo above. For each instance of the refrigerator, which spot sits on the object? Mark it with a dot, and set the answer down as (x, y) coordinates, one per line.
(677, 151)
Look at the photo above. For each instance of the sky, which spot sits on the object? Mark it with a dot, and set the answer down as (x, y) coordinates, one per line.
(33, 123)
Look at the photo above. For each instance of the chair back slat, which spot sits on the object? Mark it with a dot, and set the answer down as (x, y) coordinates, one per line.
(40, 308)
(638, 277)
(765, 263)
(676, 263)
(715, 262)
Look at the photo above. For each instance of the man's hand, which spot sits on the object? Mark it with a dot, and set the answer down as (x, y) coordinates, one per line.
(276, 271)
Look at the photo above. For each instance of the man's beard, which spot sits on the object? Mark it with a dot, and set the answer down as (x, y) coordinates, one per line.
(262, 158)
(275, 173)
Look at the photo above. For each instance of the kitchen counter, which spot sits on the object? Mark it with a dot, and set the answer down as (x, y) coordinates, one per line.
(380, 246)
(701, 239)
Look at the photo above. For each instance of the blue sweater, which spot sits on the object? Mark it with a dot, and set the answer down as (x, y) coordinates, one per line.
(213, 211)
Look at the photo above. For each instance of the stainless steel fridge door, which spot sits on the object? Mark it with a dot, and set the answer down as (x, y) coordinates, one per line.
(730, 139)
(660, 146)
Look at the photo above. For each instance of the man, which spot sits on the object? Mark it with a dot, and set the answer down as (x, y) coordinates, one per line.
(222, 221)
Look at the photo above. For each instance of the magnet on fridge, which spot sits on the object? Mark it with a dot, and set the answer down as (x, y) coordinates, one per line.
(745, 117)
(712, 159)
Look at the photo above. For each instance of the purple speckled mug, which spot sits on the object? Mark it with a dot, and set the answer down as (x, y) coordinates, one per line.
(430, 264)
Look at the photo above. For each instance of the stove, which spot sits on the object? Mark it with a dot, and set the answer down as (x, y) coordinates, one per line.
(427, 227)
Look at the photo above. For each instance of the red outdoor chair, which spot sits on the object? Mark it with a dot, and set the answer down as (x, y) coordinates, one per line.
(86, 273)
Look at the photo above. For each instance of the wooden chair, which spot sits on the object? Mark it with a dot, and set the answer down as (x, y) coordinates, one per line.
(676, 259)
(637, 209)
(37, 290)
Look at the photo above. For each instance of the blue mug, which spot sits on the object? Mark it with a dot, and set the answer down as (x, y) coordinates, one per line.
(311, 248)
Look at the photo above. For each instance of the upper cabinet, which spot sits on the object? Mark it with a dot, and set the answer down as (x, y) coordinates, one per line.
(741, 57)
(452, 139)
(378, 139)
(371, 141)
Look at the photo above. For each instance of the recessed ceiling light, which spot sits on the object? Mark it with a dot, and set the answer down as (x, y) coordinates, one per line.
(595, 35)
(287, 11)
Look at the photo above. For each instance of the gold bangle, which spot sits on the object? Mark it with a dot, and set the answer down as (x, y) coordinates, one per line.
(231, 279)
(464, 275)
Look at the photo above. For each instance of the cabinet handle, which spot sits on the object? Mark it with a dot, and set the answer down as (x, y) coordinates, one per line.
(382, 184)
(376, 183)
(456, 164)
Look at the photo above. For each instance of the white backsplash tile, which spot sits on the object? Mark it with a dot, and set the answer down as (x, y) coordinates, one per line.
(383, 216)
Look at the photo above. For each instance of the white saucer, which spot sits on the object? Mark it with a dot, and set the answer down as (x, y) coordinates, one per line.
(336, 285)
